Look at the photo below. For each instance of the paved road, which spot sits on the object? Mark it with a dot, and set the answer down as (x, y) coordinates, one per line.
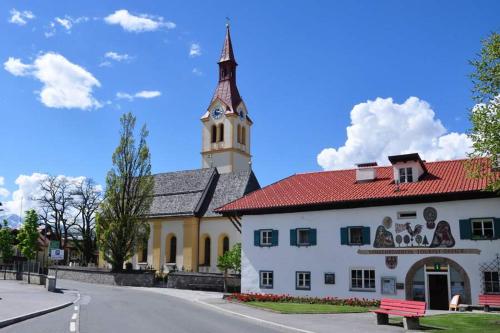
(112, 309)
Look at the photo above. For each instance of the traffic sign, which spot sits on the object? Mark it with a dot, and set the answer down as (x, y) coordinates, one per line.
(57, 254)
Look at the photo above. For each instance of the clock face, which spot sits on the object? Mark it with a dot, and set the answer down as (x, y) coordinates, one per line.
(216, 112)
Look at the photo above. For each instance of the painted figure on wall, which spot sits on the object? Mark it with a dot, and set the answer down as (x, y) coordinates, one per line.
(383, 238)
(442, 236)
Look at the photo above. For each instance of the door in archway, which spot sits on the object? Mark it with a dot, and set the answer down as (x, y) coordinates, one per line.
(438, 291)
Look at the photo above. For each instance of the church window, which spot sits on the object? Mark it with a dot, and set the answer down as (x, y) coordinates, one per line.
(143, 253)
(243, 135)
(225, 245)
(206, 259)
(238, 134)
(173, 249)
(221, 133)
(214, 134)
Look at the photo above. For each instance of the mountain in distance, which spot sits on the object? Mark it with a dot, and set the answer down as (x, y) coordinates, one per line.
(13, 220)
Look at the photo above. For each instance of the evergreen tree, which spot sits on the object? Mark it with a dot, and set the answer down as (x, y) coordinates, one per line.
(28, 237)
(6, 245)
(121, 223)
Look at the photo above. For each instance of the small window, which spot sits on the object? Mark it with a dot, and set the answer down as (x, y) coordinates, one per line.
(266, 237)
(143, 254)
(363, 279)
(214, 134)
(405, 175)
(303, 237)
(482, 229)
(225, 244)
(407, 215)
(243, 135)
(173, 250)
(266, 279)
(355, 235)
(238, 134)
(221, 133)
(491, 282)
(303, 280)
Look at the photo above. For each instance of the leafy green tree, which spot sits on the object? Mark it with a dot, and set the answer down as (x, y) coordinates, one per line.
(231, 260)
(121, 222)
(6, 245)
(485, 115)
(28, 237)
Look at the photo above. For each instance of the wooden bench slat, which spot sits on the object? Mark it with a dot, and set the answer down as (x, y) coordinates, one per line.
(409, 309)
(398, 313)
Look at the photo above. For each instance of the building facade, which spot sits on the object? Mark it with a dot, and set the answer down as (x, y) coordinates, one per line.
(185, 231)
(413, 230)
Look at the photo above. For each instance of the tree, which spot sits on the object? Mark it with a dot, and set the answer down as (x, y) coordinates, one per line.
(121, 222)
(231, 260)
(485, 115)
(28, 237)
(6, 245)
(55, 204)
(87, 197)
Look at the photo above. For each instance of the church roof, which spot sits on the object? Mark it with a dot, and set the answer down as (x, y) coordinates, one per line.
(227, 50)
(198, 192)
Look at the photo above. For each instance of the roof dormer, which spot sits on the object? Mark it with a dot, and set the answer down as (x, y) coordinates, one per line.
(408, 168)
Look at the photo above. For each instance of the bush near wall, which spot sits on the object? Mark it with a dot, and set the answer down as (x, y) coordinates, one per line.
(254, 297)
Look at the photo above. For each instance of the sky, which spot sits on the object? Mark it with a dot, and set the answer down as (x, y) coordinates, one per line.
(327, 83)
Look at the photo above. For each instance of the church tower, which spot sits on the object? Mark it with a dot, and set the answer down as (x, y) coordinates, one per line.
(226, 125)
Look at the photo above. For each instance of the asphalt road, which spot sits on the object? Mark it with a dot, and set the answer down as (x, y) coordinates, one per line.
(113, 309)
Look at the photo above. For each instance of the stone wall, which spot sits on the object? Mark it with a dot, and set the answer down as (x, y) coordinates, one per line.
(14, 275)
(103, 276)
(202, 281)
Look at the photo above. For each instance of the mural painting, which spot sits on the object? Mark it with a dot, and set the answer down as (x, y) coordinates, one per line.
(414, 235)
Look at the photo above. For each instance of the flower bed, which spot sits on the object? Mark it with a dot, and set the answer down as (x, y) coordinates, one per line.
(251, 297)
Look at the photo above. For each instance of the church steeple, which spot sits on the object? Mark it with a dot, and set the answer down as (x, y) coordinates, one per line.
(226, 125)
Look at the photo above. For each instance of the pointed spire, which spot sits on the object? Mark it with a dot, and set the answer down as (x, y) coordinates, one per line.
(227, 50)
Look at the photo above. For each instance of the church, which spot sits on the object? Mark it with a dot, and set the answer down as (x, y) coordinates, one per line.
(185, 230)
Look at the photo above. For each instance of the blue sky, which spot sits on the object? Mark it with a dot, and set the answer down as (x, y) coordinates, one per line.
(303, 67)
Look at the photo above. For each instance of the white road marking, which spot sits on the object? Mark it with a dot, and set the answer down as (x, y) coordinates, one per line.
(74, 316)
(72, 326)
(254, 318)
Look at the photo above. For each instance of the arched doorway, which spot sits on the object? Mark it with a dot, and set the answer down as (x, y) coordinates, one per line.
(435, 280)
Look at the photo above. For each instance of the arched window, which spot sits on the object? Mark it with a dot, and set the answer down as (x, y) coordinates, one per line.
(244, 135)
(214, 134)
(238, 134)
(221, 133)
(143, 252)
(173, 249)
(206, 258)
(225, 244)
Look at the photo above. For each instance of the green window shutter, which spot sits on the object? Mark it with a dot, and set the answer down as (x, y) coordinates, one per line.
(312, 237)
(256, 237)
(465, 229)
(366, 235)
(293, 237)
(496, 222)
(343, 236)
(275, 238)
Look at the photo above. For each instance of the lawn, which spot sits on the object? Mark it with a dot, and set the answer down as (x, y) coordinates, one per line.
(308, 308)
(459, 323)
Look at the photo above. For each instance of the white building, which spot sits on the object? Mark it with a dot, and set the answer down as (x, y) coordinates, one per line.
(413, 230)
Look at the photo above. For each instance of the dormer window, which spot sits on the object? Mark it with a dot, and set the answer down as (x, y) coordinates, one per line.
(405, 175)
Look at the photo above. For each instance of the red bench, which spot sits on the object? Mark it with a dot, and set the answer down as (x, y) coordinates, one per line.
(410, 310)
(489, 300)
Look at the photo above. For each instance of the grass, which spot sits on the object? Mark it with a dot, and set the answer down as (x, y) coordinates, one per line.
(459, 323)
(291, 308)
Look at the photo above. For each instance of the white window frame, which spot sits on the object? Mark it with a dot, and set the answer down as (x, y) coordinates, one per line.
(363, 285)
(301, 279)
(266, 279)
(482, 221)
(349, 242)
(268, 232)
(308, 237)
(405, 173)
(492, 282)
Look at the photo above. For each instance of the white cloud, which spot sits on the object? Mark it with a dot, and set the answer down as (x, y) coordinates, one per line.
(146, 94)
(137, 23)
(197, 72)
(195, 50)
(3, 191)
(381, 128)
(117, 57)
(65, 22)
(20, 17)
(65, 84)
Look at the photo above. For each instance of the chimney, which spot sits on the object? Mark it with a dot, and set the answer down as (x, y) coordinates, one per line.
(366, 172)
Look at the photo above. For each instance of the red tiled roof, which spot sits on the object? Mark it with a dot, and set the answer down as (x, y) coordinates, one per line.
(331, 188)
(227, 91)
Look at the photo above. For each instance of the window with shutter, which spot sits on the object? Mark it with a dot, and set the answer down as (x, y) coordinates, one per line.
(293, 237)
(465, 229)
(275, 238)
(344, 236)
(256, 238)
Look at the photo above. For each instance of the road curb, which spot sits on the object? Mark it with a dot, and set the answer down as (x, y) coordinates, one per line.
(14, 320)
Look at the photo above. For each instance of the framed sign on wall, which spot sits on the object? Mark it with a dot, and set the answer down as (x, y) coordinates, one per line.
(329, 278)
(388, 285)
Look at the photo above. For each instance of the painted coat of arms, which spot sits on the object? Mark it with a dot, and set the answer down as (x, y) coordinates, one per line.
(391, 261)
